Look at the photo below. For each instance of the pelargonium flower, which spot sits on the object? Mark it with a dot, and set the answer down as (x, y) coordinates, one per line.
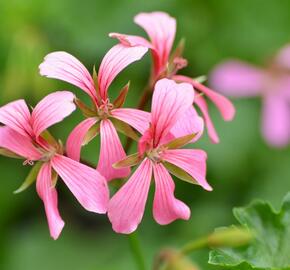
(158, 153)
(161, 29)
(105, 115)
(24, 135)
(240, 79)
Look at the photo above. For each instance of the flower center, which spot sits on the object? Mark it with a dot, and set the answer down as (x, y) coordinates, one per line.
(155, 154)
(105, 109)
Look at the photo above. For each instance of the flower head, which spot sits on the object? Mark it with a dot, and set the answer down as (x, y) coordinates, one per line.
(24, 135)
(158, 154)
(239, 79)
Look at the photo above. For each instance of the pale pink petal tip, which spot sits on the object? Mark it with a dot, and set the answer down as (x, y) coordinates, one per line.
(87, 185)
(126, 208)
(48, 194)
(166, 207)
(131, 40)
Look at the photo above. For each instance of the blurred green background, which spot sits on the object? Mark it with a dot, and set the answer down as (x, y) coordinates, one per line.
(240, 168)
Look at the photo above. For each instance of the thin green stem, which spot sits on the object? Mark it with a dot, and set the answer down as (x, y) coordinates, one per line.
(136, 250)
(194, 245)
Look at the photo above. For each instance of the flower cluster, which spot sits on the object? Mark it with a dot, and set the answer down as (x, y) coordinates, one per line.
(160, 134)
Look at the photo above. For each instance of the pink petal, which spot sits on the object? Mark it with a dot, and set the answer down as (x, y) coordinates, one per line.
(189, 123)
(130, 40)
(283, 57)
(126, 208)
(161, 29)
(111, 152)
(76, 138)
(116, 59)
(52, 109)
(18, 144)
(276, 120)
(237, 79)
(63, 66)
(201, 103)
(170, 101)
(136, 118)
(48, 194)
(190, 160)
(166, 207)
(87, 184)
(16, 115)
(223, 104)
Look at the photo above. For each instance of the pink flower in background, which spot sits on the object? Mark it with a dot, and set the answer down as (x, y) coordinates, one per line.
(239, 79)
(63, 66)
(24, 135)
(170, 101)
(161, 29)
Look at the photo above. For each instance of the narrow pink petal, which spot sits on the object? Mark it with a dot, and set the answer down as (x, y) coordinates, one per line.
(136, 118)
(170, 101)
(116, 59)
(16, 115)
(87, 185)
(189, 123)
(283, 57)
(52, 109)
(131, 40)
(76, 138)
(126, 207)
(63, 66)
(223, 104)
(111, 152)
(201, 103)
(161, 29)
(18, 144)
(166, 207)
(276, 120)
(48, 195)
(190, 160)
(237, 79)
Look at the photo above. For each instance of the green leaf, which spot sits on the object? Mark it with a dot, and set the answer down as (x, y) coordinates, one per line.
(125, 129)
(179, 142)
(270, 248)
(6, 153)
(120, 100)
(200, 79)
(30, 179)
(179, 173)
(92, 133)
(129, 161)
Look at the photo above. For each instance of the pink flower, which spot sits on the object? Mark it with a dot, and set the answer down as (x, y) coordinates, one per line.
(63, 66)
(239, 79)
(126, 208)
(161, 29)
(24, 134)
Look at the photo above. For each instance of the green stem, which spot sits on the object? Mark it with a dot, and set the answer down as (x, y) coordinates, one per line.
(136, 250)
(194, 245)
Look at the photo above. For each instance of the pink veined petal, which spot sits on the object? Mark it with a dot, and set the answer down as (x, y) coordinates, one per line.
(111, 152)
(126, 207)
(76, 138)
(189, 123)
(136, 118)
(16, 115)
(18, 144)
(52, 109)
(48, 195)
(201, 103)
(170, 101)
(276, 120)
(131, 40)
(161, 29)
(190, 160)
(115, 60)
(87, 185)
(283, 57)
(63, 66)
(224, 105)
(166, 208)
(237, 79)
